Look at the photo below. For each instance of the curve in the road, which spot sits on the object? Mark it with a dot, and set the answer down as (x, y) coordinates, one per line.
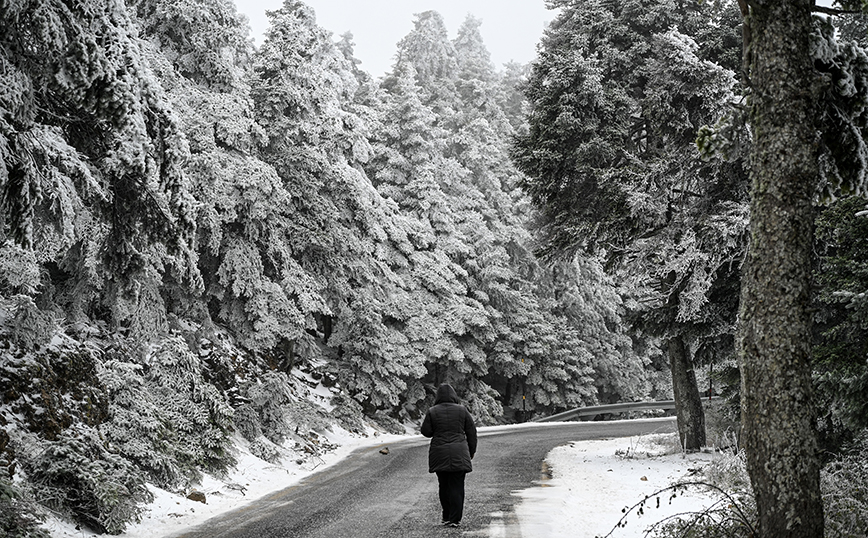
(371, 495)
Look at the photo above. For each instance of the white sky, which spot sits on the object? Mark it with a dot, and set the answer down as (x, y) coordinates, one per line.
(510, 28)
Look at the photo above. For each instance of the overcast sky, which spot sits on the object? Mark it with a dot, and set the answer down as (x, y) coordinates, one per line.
(510, 28)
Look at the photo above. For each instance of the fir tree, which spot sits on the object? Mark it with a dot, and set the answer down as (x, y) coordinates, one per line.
(841, 320)
(92, 159)
(617, 96)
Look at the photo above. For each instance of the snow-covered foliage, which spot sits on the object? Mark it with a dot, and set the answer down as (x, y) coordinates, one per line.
(596, 309)
(844, 484)
(207, 42)
(19, 517)
(841, 319)
(200, 239)
(842, 68)
(844, 116)
(163, 415)
(76, 475)
(91, 420)
(617, 95)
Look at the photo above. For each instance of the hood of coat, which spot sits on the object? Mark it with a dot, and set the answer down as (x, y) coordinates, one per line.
(445, 393)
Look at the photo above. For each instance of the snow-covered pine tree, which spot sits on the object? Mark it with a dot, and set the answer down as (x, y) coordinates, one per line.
(457, 134)
(342, 232)
(610, 161)
(536, 354)
(409, 166)
(253, 285)
(582, 293)
(92, 158)
(428, 49)
(513, 102)
(841, 321)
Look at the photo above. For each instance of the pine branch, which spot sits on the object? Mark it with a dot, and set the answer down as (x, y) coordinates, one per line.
(834, 12)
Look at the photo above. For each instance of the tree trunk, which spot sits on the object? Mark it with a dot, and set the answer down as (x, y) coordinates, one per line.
(774, 320)
(288, 349)
(688, 402)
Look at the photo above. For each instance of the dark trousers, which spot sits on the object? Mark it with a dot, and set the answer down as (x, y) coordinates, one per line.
(451, 494)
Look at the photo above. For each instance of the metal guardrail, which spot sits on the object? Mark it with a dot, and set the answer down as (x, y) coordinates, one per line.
(623, 407)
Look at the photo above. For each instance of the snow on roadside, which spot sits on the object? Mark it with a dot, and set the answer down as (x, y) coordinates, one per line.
(593, 481)
(252, 478)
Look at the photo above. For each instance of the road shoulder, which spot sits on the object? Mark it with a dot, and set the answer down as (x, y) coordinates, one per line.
(591, 482)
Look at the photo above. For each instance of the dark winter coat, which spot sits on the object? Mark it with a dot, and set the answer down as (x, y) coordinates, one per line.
(452, 432)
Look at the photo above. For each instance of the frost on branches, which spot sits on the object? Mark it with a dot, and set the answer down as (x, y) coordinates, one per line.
(204, 244)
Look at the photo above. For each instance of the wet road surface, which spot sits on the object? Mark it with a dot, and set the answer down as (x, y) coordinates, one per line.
(371, 495)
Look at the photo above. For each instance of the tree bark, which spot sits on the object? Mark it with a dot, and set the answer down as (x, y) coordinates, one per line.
(688, 403)
(778, 417)
(288, 349)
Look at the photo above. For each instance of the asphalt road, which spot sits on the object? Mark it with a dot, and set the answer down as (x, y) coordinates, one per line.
(371, 495)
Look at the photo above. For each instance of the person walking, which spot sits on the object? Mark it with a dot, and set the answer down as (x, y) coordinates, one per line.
(453, 445)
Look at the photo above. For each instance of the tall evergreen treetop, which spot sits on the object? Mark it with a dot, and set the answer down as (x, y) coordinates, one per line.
(428, 49)
(208, 42)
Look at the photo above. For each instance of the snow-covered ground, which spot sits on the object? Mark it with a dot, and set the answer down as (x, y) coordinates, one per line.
(592, 481)
(251, 479)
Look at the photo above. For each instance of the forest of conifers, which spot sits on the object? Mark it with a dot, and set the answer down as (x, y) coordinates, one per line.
(196, 232)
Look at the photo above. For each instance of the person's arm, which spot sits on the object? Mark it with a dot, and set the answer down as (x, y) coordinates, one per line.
(470, 432)
(427, 427)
